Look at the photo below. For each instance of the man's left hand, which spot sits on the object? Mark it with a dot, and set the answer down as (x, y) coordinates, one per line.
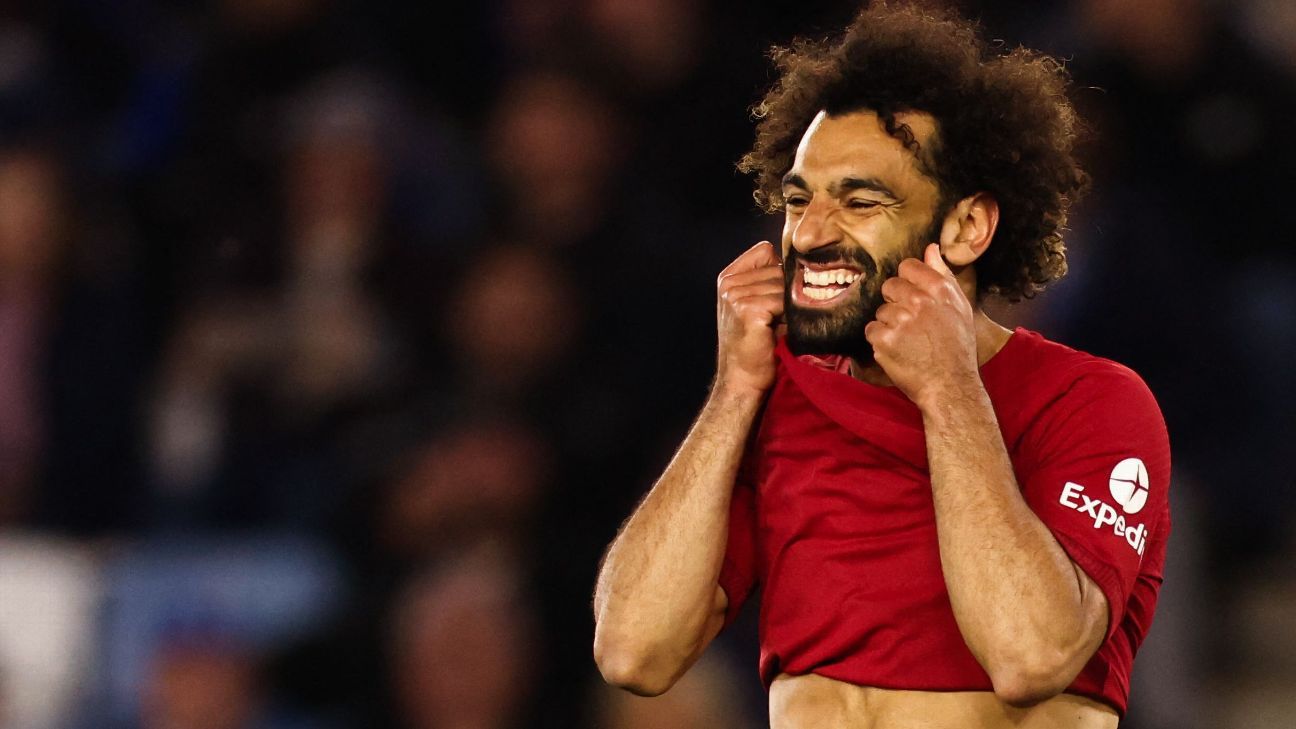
(923, 336)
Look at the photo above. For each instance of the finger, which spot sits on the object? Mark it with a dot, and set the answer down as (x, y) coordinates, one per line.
(761, 288)
(897, 290)
(873, 332)
(743, 278)
(764, 309)
(932, 257)
(883, 358)
(893, 315)
(919, 273)
(761, 254)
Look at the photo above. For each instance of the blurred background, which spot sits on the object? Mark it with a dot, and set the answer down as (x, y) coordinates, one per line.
(338, 337)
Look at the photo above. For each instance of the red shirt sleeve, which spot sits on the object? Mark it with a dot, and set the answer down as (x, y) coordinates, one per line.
(738, 573)
(1101, 476)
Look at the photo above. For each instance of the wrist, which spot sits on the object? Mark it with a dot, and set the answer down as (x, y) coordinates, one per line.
(734, 392)
(942, 394)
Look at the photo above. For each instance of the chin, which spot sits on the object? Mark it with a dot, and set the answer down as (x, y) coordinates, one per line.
(839, 331)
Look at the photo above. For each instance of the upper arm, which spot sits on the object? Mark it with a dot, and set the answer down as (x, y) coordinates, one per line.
(1095, 614)
(738, 573)
(1099, 481)
(716, 620)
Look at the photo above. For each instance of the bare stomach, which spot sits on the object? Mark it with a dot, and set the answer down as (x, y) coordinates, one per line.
(815, 702)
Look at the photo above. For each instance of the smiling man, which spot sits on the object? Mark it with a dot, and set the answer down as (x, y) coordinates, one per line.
(952, 524)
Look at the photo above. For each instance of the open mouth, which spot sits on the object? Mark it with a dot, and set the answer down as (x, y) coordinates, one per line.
(822, 285)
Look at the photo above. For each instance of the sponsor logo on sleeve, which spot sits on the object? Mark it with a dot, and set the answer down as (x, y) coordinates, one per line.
(1129, 485)
(1129, 488)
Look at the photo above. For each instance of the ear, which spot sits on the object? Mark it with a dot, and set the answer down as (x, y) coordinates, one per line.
(969, 228)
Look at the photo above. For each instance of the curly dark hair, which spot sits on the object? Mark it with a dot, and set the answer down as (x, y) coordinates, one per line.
(1004, 126)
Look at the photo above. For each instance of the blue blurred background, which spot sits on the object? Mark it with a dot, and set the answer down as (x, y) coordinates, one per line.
(337, 337)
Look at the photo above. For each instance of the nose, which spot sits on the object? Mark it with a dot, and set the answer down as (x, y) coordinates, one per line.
(817, 227)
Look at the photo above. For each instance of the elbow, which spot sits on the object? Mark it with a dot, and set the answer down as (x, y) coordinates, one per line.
(1028, 681)
(1031, 671)
(632, 668)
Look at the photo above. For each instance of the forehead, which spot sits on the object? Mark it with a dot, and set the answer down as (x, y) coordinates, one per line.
(857, 144)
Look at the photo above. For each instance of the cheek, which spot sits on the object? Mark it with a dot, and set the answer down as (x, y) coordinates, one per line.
(861, 240)
(789, 227)
(881, 236)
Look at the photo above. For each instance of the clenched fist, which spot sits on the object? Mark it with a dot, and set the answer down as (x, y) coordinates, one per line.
(749, 302)
(924, 337)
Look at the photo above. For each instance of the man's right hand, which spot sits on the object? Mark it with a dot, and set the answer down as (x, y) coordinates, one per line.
(749, 302)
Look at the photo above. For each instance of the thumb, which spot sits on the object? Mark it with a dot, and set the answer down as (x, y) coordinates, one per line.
(766, 255)
(932, 257)
(758, 256)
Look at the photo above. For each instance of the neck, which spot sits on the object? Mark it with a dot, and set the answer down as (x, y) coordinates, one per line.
(991, 337)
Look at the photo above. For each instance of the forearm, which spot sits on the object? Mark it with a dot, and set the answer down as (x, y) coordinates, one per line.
(1024, 609)
(655, 599)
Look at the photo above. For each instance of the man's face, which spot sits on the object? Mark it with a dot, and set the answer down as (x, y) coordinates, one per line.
(856, 205)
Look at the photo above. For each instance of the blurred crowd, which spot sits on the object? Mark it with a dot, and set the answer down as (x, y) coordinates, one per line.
(336, 339)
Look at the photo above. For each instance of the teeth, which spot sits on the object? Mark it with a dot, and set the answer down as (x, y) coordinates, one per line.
(838, 276)
(822, 294)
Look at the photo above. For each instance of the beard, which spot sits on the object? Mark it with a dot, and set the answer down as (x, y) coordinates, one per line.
(840, 329)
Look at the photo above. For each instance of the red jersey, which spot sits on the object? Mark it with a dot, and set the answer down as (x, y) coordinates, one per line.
(832, 516)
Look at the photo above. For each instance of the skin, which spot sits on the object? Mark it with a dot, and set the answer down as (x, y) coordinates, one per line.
(1028, 614)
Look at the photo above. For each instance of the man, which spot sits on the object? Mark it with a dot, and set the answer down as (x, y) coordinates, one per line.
(953, 524)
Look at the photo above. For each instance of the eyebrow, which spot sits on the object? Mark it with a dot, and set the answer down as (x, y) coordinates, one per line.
(846, 184)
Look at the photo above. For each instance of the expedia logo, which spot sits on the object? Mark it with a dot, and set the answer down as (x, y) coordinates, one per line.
(1129, 487)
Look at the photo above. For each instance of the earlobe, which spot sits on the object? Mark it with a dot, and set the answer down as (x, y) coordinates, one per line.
(968, 229)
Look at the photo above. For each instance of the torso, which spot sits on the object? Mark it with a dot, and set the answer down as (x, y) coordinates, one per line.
(811, 701)
(832, 517)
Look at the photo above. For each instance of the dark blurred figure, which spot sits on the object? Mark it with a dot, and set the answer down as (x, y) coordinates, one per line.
(70, 359)
(512, 324)
(259, 382)
(604, 371)
(1195, 161)
(207, 684)
(209, 678)
(554, 144)
(31, 242)
(461, 501)
(472, 480)
(463, 647)
(557, 151)
(655, 44)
